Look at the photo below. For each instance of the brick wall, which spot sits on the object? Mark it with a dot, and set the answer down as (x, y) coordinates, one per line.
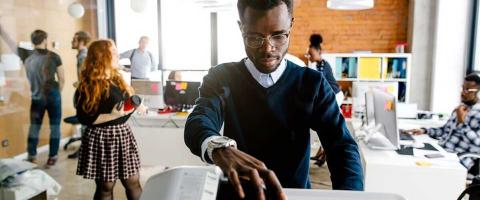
(377, 30)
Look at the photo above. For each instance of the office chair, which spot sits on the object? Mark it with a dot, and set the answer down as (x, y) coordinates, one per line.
(77, 134)
(475, 170)
(473, 178)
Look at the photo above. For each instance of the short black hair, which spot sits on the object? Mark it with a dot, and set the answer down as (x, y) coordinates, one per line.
(38, 36)
(473, 77)
(316, 41)
(83, 36)
(262, 5)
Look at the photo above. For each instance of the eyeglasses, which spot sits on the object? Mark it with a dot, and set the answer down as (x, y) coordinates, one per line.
(274, 40)
(467, 90)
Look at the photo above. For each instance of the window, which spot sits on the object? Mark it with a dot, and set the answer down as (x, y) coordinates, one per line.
(185, 35)
(230, 42)
(130, 26)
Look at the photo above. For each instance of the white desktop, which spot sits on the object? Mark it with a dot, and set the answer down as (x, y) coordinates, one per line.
(414, 177)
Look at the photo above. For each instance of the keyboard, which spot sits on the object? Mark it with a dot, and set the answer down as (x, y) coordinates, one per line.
(405, 136)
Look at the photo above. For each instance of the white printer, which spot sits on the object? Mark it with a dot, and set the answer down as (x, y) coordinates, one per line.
(201, 183)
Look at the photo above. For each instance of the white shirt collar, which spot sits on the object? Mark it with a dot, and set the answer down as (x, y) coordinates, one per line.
(259, 76)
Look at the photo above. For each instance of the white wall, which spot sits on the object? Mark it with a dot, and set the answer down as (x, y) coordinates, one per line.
(421, 40)
(450, 53)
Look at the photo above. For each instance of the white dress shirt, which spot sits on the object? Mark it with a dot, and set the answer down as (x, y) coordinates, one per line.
(266, 80)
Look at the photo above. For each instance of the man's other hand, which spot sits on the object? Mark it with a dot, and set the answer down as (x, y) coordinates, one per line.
(461, 113)
(415, 131)
(239, 165)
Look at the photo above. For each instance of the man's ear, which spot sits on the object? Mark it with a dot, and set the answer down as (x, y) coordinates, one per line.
(240, 25)
(291, 22)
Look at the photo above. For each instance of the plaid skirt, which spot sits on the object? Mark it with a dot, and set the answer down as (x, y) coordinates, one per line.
(108, 153)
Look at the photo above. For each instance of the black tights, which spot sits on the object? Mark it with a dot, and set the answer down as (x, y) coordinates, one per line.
(104, 190)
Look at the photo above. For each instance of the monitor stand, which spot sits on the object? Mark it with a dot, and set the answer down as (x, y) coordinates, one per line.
(378, 141)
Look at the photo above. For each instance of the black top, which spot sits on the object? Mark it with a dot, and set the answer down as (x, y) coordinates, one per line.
(105, 107)
(273, 124)
(324, 67)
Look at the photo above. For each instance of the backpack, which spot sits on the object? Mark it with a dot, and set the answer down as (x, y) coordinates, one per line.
(131, 56)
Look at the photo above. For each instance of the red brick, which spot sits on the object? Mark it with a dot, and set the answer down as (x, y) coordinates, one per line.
(377, 29)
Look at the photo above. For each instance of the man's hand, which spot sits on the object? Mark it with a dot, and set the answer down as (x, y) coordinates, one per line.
(239, 165)
(415, 131)
(461, 113)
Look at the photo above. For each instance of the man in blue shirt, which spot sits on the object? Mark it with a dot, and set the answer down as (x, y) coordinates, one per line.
(461, 133)
(269, 105)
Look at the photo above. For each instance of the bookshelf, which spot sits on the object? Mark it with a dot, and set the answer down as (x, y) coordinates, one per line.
(387, 69)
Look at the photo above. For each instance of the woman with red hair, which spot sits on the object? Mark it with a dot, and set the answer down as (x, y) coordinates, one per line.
(108, 151)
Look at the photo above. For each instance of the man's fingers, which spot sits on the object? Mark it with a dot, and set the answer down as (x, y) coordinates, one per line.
(235, 181)
(258, 184)
(273, 184)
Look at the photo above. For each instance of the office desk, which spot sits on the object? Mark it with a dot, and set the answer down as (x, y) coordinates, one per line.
(387, 171)
(161, 143)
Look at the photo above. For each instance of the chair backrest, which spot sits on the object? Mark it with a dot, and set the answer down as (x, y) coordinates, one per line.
(473, 190)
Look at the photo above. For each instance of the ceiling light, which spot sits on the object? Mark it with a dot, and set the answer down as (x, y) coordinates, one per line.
(350, 4)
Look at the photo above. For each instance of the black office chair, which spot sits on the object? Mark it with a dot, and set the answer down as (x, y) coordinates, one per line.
(473, 178)
(475, 170)
(77, 135)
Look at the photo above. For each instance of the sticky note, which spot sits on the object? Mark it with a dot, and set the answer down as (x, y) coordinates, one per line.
(178, 86)
(389, 105)
(423, 163)
(184, 86)
(154, 88)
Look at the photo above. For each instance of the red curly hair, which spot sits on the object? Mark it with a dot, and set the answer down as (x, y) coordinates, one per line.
(98, 74)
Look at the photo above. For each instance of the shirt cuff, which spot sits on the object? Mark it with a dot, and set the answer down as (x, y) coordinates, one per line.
(205, 145)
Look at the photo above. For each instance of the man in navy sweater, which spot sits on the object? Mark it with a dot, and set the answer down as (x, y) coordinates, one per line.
(269, 105)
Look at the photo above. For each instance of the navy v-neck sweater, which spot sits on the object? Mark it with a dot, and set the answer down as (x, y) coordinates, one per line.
(273, 124)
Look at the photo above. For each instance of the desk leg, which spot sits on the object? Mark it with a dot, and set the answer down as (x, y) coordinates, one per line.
(170, 121)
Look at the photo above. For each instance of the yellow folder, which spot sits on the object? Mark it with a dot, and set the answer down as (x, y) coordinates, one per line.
(369, 68)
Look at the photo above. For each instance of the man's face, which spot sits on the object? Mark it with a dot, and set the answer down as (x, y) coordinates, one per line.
(469, 92)
(314, 55)
(273, 26)
(143, 43)
(75, 43)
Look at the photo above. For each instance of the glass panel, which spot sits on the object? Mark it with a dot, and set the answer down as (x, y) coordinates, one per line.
(230, 42)
(185, 35)
(131, 25)
(19, 18)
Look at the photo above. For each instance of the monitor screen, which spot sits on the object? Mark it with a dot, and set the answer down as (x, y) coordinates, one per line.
(149, 91)
(369, 110)
(385, 114)
(181, 92)
(147, 87)
(360, 88)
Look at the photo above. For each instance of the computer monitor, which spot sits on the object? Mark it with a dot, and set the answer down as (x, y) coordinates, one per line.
(360, 88)
(150, 92)
(181, 93)
(384, 105)
(369, 109)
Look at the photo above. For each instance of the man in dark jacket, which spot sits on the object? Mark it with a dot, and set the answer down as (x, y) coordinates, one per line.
(269, 105)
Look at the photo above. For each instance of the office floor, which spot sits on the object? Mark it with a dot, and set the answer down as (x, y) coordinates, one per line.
(76, 188)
